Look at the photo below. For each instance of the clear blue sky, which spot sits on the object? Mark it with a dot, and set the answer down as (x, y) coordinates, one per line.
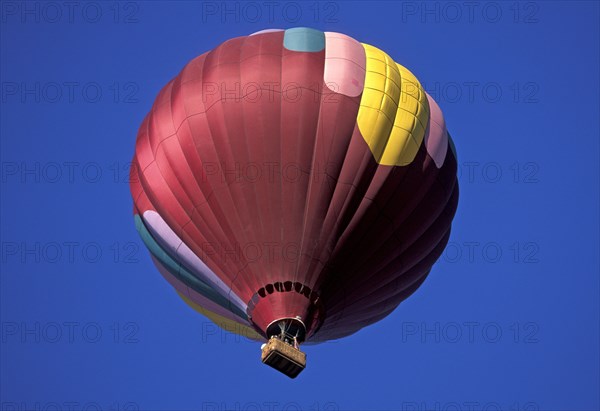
(509, 317)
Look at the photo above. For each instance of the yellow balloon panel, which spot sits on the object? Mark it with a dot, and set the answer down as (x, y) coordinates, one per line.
(393, 110)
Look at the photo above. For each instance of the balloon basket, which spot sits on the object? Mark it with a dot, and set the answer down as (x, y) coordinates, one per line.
(284, 357)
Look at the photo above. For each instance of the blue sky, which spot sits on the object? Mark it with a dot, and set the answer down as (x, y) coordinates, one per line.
(509, 317)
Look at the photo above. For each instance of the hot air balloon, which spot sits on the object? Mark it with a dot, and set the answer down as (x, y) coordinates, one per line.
(294, 186)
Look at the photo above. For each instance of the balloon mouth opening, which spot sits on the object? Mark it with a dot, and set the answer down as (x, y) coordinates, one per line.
(287, 329)
(291, 307)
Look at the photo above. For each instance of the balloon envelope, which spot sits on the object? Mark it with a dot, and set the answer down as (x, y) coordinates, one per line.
(294, 174)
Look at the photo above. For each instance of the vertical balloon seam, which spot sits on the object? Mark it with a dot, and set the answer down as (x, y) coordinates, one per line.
(240, 109)
(309, 186)
(233, 189)
(253, 193)
(270, 277)
(225, 229)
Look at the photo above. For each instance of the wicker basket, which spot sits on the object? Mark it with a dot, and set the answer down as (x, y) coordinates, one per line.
(283, 357)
